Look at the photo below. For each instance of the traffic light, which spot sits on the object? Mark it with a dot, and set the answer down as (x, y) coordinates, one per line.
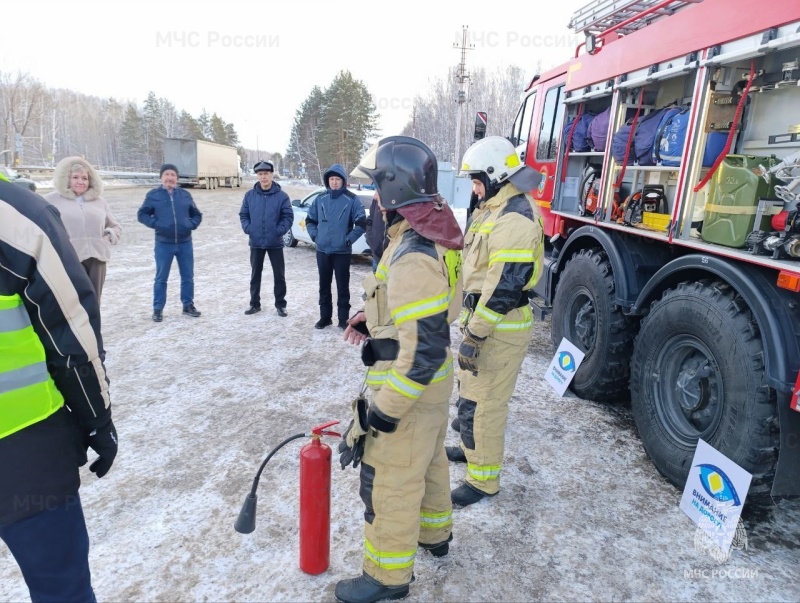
(480, 125)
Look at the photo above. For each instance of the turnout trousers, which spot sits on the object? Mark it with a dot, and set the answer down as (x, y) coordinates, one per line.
(483, 408)
(405, 487)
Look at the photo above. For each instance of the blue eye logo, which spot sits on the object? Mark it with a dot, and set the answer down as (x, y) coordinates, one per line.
(566, 361)
(718, 485)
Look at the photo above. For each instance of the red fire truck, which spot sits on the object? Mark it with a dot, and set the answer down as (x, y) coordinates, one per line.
(673, 243)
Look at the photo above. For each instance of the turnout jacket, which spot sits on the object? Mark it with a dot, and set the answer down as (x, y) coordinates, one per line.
(413, 297)
(173, 216)
(39, 463)
(502, 261)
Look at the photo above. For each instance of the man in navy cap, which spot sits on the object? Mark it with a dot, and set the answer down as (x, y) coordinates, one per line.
(266, 216)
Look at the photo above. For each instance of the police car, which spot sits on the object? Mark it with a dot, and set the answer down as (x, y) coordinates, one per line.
(299, 232)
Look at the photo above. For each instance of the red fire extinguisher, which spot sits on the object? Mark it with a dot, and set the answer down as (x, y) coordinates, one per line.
(315, 499)
(315, 502)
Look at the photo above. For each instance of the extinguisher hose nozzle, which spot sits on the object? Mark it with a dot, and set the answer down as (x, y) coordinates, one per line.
(246, 522)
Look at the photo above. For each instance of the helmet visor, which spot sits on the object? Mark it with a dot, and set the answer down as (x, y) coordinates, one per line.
(368, 163)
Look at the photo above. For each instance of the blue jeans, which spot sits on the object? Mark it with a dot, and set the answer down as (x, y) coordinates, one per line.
(52, 551)
(165, 252)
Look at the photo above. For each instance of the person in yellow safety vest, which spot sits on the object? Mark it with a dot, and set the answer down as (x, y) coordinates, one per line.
(54, 399)
(411, 300)
(503, 250)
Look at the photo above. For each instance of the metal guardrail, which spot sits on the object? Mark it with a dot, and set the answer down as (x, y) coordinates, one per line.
(114, 173)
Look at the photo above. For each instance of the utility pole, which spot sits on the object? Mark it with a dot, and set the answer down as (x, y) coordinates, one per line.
(462, 77)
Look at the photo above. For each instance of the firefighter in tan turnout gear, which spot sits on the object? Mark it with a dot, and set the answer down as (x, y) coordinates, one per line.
(502, 261)
(411, 300)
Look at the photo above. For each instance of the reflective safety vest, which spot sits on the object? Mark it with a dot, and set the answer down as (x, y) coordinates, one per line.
(27, 391)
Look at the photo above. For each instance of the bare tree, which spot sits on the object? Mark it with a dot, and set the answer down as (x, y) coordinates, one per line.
(19, 106)
(434, 119)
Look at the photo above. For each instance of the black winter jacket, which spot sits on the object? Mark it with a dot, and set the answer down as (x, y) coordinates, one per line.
(376, 231)
(39, 464)
(266, 215)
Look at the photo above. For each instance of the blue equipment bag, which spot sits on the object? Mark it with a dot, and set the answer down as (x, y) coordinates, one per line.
(646, 135)
(715, 143)
(580, 137)
(671, 138)
(619, 142)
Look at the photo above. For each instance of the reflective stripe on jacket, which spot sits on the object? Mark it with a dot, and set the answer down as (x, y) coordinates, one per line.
(413, 297)
(502, 261)
(27, 391)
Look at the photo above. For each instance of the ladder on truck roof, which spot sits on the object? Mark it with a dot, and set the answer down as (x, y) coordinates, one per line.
(623, 16)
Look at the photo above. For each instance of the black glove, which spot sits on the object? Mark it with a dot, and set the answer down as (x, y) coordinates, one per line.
(351, 448)
(103, 441)
(469, 350)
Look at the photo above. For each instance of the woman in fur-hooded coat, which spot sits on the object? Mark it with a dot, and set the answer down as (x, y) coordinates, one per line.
(91, 227)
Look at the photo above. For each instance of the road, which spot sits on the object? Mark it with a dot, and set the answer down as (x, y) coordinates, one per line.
(582, 514)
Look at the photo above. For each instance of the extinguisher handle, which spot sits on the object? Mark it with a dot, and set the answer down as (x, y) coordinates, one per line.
(320, 430)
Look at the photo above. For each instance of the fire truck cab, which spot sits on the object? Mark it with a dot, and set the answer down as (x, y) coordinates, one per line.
(669, 147)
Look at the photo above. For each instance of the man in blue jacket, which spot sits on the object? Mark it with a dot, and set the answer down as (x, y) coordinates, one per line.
(266, 216)
(171, 212)
(335, 221)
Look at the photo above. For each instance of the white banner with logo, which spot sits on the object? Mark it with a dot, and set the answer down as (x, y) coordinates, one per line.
(714, 494)
(563, 366)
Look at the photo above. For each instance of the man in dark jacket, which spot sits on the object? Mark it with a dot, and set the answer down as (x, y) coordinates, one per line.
(266, 216)
(171, 212)
(335, 221)
(376, 231)
(54, 399)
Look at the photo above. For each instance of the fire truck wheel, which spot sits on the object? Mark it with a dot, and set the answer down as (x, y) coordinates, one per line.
(698, 372)
(584, 311)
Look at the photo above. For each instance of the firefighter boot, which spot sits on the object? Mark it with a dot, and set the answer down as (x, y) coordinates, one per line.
(455, 425)
(465, 495)
(455, 454)
(438, 549)
(366, 589)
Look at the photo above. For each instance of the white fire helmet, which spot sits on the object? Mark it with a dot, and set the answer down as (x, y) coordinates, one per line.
(495, 156)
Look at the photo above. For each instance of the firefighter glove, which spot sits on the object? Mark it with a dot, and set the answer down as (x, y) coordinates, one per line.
(469, 350)
(103, 441)
(351, 448)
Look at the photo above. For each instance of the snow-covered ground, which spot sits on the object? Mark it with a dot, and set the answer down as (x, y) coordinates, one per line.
(198, 403)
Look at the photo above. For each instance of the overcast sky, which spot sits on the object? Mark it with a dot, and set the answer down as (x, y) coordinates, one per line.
(253, 63)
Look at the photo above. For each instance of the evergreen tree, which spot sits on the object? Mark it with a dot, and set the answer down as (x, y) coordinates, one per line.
(131, 140)
(231, 137)
(217, 128)
(152, 140)
(349, 119)
(204, 121)
(189, 127)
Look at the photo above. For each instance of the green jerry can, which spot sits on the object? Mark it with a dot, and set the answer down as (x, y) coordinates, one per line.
(733, 200)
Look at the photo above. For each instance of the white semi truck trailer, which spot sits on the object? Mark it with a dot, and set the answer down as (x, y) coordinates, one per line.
(202, 163)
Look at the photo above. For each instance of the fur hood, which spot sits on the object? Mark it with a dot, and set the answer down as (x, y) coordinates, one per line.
(61, 179)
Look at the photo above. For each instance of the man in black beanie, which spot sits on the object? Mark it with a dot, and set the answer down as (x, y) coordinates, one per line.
(171, 212)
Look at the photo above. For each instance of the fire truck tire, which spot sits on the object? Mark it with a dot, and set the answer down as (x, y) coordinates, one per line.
(585, 312)
(698, 372)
